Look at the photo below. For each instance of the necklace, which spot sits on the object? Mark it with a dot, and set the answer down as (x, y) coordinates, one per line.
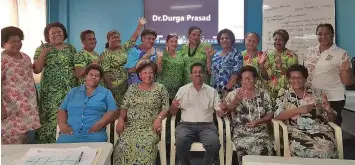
(194, 52)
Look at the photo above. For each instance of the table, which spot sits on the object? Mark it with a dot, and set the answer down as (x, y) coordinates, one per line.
(350, 100)
(276, 160)
(9, 153)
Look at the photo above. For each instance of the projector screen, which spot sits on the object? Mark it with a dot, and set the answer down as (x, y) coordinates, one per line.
(176, 16)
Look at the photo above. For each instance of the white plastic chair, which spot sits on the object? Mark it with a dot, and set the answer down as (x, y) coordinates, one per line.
(161, 144)
(287, 153)
(196, 146)
(230, 147)
(107, 131)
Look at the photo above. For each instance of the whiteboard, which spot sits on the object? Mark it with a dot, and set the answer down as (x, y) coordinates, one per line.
(299, 18)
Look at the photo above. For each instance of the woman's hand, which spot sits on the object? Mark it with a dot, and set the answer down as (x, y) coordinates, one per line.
(120, 126)
(97, 126)
(142, 21)
(252, 124)
(160, 56)
(157, 126)
(345, 65)
(66, 129)
(209, 51)
(262, 59)
(44, 50)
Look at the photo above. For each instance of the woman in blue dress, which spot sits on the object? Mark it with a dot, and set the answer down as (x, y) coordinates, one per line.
(86, 110)
(146, 50)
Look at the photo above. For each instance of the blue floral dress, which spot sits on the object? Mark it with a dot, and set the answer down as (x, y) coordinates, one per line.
(223, 67)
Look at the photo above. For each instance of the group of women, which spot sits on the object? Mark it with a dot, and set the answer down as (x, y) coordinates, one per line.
(81, 92)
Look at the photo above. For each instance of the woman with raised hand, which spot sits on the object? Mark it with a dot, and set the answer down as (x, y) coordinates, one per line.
(170, 67)
(114, 58)
(55, 59)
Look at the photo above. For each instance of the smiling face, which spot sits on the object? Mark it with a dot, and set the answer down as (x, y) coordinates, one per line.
(56, 35)
(197, 75)
(195, 37)
(147, 75)
(148, 40)
(247, 80)
(114, 40)
(225, 41)
(297, 81)
(172, 43)
(13, 45)
(251, 42)
(89, 41)
(279, 42)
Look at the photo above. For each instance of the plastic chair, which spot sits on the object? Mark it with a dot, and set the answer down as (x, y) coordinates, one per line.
(287, 153)
(196, 146)
(230, 147)
(161, 144)
(107, 131)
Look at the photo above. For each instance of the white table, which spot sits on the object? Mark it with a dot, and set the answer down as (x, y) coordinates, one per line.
(275, 160)
(9, 153)
(350, 100)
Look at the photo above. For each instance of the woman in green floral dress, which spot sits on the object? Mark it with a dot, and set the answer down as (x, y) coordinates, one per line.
(56, 60)
(171, 67)
(113, 60)
(255, 58)
(278, 61)
(306, 113)
(193, 52)
(86, 56)
(145, 105)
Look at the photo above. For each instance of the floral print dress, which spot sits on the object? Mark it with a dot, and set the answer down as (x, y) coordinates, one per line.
(18, 94)
(223, 67)
(138, 143)
(56, 81)
(172, 75)
(251, 141)
(113, 63)
(277, 80)
(309, 134)
(261, 83)
(84, 58)
(200, 56)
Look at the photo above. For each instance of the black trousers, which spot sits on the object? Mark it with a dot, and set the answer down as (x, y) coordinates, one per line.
(338, 107)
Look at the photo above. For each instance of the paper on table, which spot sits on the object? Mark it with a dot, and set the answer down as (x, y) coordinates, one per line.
(87, 157)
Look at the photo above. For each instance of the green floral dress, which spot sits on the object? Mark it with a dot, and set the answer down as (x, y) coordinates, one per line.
(138, 143)
(309, 134)
(261, 83)
(200, 56)
(278, 81)
(251, 141)
(57, 80)
(172, 75)
(113, 63)
(83, 59)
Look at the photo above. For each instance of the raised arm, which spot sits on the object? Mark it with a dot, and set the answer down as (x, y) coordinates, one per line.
(141, 23)
(346, 73)
(39, 58)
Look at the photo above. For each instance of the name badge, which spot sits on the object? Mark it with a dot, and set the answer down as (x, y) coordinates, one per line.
(329, 57)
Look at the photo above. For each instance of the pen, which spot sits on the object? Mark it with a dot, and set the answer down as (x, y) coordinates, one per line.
(81, 155)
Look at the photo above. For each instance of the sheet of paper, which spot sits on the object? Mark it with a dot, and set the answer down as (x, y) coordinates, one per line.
(54, 156)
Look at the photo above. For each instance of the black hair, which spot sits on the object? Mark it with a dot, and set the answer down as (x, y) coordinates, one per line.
(94, 67)
(229, 33)
(283, 33)
(327, 25)
(147, 32)
(171, 36)
(248, 68)
(85, 32)
(52, 25)
(194, 28)
(9, 31)
(297, 68)
(197, 64)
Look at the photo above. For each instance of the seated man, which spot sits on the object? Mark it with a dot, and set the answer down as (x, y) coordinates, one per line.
(197, 102)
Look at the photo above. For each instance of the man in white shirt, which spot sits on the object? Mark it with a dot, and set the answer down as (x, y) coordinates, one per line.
(197, 102)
